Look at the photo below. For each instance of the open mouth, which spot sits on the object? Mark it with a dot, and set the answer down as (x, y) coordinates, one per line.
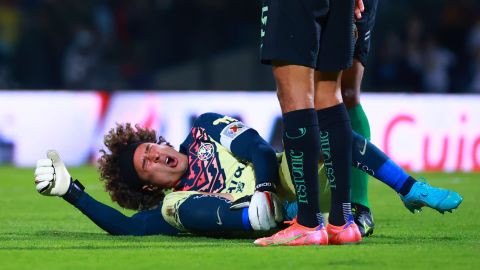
(171, 162)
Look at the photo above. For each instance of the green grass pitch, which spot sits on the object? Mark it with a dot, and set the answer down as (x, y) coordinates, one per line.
(38, 232)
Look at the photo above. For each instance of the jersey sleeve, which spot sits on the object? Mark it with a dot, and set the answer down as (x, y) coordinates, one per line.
(244, 143)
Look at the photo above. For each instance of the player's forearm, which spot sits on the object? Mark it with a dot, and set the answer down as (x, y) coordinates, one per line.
(266, 168)
(251, 147)
(114, 222)
(105, 217)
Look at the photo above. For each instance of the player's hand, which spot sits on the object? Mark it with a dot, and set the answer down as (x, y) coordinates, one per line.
(264, 210)
(359, 8)
(51, 175)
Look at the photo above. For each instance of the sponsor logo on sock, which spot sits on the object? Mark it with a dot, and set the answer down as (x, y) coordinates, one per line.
(327, 159)
(301, 131)
(298, 176)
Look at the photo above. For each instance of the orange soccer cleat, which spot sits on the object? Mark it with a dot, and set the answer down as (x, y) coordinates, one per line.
(296, 235)
(345, 234)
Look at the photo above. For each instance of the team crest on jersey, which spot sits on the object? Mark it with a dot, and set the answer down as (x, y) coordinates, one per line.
(205, 152)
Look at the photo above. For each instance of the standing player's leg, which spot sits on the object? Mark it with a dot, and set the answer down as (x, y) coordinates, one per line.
(351, 84)
(290, 34)
(351, 81)
(301, 143)
(335, 129)
(300, 137)
(336, 143)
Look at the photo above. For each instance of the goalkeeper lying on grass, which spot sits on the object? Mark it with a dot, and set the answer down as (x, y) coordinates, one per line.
(224, 178)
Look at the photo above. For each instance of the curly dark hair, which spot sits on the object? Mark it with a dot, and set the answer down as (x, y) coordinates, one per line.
(116, 140)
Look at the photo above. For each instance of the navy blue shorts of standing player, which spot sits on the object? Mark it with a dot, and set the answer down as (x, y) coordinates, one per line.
(312, 33)
(364, 28)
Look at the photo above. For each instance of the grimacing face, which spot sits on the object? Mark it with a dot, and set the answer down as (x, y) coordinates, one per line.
(159, 165)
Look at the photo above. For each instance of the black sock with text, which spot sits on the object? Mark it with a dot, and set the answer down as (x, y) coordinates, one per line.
(336, 146)
(302, 149)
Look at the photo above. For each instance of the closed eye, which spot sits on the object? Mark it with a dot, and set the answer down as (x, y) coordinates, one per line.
(144, 161)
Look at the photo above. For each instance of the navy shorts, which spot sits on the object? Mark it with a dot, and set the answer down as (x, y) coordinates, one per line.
(364, 28)
(312, 33)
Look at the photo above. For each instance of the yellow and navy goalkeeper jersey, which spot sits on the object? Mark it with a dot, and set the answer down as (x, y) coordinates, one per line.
(226, 156)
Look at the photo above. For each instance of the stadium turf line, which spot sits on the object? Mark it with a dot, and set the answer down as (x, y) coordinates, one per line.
(39, 232)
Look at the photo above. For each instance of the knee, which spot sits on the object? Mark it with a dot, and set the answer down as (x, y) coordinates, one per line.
(350, 96)
(294, 87)
(293, 98)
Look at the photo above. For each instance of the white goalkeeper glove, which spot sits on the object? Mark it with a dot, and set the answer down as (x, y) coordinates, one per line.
(264, 210)
(51, 175)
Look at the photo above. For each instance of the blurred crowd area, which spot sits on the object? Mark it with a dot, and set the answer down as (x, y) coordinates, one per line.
(417, 46)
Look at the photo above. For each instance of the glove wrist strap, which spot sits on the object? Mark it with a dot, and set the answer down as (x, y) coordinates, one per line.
(266, 186)
(74, 192)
